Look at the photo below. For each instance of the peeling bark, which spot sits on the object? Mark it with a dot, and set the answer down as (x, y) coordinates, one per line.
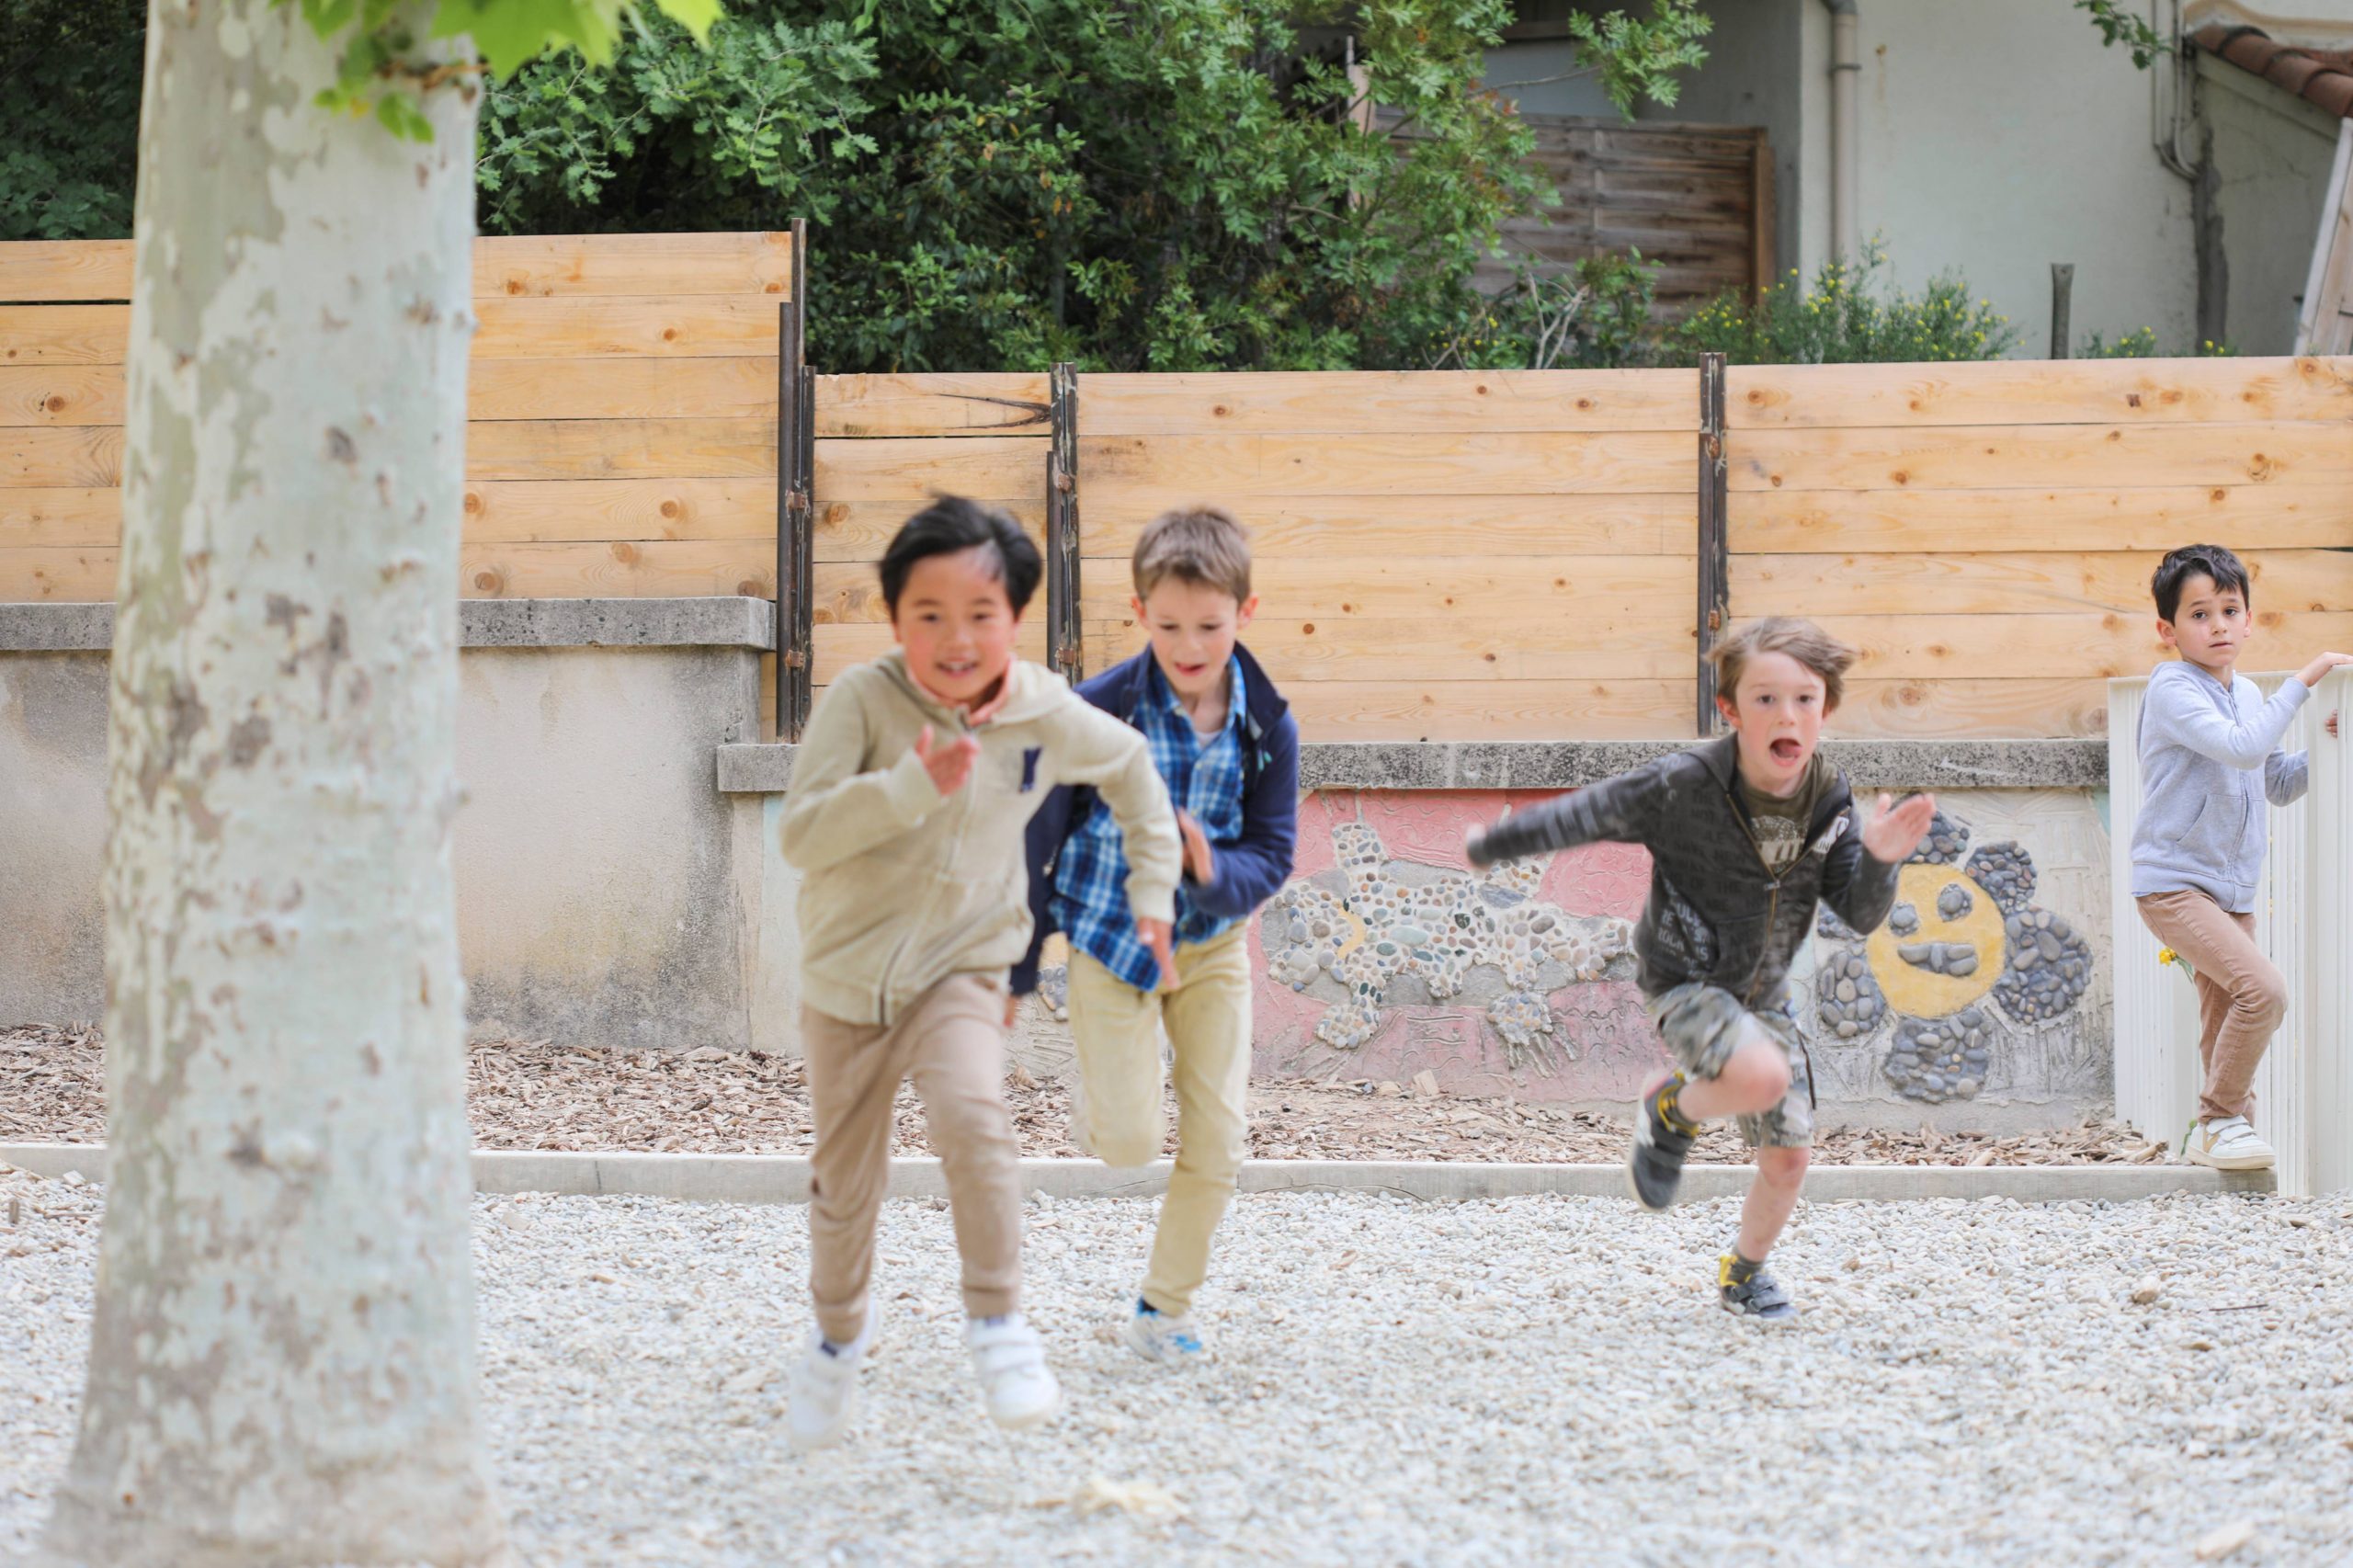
(282, 1364)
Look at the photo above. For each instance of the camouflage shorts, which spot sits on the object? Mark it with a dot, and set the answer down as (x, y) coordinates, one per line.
(1701, 1025)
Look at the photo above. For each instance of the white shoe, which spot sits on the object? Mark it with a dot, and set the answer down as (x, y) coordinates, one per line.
(1011, 1360)
(1171, 1339)
(2229, 1144)
(825, 1390)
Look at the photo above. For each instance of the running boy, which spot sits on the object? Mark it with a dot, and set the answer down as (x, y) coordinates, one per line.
(1227, 749)
(2198, 849)
(1745, 834)
(909, 797)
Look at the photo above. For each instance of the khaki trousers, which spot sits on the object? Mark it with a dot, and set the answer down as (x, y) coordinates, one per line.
(2240, 996)
(951, 1041)
(1117, 1030)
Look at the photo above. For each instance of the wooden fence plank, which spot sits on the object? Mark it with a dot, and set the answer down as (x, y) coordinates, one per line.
(1408, 651)
(1987, 710)
(608, 265)
(1339, 527)
(622, 449)
(1486, 710)
(2253, 517)
(61, 395)
(2011, 456)
(67, 456)
(33, 270)
(1234, 467)
(681, 326)
(1656, 590)
(60, 574)
(709, 388)
(911, 469)
(931, 406)
(496, 390)
(2287, 580)
(1358, 403)
(549, 511)
(2065, 391)
(71, 518)
(2020, 647)
(619, 569)
(860, 530)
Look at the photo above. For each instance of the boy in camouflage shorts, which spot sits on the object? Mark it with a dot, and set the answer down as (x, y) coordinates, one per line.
(1747, 835)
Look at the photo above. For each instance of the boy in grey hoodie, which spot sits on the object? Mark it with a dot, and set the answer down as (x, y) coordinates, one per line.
(2198, 850)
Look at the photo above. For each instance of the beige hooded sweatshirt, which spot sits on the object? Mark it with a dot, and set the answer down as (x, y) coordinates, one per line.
(903, 887)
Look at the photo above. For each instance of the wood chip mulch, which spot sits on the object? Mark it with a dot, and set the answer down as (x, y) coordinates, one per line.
(535, 1095)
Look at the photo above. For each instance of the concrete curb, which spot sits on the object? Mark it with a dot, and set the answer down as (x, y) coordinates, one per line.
(784, 1178)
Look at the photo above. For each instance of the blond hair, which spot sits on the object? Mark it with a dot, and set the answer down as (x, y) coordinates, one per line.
(1194, 544)
(1801, 640)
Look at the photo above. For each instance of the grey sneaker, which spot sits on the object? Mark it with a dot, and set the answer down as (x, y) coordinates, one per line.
(1655, 1167)
(1171, 1340)
(1749, 1290)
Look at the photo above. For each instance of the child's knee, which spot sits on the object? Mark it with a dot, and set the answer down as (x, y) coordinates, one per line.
(1783, 1167)
(1758, 1074)
(2262, 996)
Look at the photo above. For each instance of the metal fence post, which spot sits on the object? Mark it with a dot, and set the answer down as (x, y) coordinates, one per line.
(1065, 639)
(1715, 552)
(795, 446)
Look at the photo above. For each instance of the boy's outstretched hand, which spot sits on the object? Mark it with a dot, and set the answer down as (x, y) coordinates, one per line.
(1200, 860)
(950, 765)
(1160, 936)
(1891, 832)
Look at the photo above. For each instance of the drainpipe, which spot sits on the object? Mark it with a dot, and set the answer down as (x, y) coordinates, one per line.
(1846, 189)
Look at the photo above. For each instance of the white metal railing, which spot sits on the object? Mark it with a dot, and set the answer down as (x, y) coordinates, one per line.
(2304, 912)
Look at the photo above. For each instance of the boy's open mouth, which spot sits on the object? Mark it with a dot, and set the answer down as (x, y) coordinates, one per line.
(1787, 750)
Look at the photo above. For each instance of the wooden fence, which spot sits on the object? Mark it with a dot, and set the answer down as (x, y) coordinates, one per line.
(1441, 556)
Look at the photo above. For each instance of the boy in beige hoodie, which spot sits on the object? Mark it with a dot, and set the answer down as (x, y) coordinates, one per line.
(909, 798)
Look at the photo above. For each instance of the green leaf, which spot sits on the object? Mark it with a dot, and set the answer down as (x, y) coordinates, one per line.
(399, 114)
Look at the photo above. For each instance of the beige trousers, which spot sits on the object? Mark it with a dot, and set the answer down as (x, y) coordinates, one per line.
(2240, 996)
(951, 1041)
(1117, 1030)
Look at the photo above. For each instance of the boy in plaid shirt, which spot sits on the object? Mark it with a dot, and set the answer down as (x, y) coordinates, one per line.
(1226, 747)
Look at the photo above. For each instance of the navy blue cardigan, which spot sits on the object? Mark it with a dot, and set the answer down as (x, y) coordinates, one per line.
(1249, 870)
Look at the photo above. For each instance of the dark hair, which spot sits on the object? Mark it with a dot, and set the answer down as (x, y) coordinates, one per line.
(951, 525)
(2198, 561)
(1801, 640)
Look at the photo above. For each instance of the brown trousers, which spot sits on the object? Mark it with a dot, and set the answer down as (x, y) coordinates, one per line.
(951, 1041)
(2240, 996)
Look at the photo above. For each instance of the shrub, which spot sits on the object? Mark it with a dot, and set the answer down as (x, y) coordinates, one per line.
(1848, 315)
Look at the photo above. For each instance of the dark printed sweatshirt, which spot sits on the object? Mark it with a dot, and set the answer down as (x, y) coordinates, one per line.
(1714, 914)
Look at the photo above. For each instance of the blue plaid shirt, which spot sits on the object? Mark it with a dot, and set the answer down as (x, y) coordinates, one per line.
(1090, 902)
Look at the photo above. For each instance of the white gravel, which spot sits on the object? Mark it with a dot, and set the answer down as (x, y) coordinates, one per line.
(1534, 1381)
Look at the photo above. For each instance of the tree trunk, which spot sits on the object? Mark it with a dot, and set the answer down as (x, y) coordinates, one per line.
(281, 1361)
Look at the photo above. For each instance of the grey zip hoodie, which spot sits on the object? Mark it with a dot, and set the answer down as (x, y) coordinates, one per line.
(2202, 827)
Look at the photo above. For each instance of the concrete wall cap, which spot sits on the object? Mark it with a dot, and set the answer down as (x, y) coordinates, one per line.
(1568, 765)
(729, 621)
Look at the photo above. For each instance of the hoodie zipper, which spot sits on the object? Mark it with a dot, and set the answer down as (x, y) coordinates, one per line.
(923, 911)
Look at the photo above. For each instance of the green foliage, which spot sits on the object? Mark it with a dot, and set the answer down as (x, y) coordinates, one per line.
(2143, 345)
(1165, 184)
(378, 69)
(1636, 59)
(2118, 25)
(69, 117)
(1598, 316)
(1848, 316)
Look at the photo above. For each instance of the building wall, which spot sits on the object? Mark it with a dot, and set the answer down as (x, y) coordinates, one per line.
(2272, 155)
(1996, 139)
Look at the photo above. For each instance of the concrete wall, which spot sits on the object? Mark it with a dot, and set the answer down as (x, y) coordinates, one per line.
(607, 894)
(2272, 154)
(1996, 137)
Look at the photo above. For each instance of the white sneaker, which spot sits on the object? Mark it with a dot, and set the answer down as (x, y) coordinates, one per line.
(2229, 1144)
(1011, 1360)
(825, 1390)
(1170, 1339)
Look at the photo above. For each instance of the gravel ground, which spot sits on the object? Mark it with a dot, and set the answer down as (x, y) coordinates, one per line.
(1530, 1381)
(526, 1095)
